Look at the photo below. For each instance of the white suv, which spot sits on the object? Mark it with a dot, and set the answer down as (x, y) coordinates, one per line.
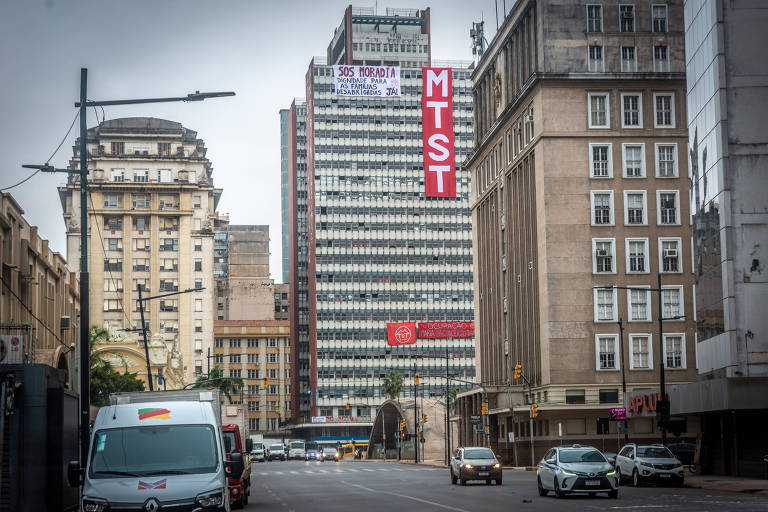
(649, 463)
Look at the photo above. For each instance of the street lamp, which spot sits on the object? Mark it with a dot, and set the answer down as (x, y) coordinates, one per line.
(83, 104)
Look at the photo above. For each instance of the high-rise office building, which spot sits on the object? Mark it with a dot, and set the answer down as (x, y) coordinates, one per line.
(367, 246)
(580, 206)
(151, 226)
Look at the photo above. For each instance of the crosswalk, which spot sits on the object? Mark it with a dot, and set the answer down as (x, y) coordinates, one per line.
(319, 471)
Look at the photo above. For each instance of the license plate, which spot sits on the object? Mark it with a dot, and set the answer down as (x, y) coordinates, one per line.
(592, 482)
(482, 473)
(665, 475)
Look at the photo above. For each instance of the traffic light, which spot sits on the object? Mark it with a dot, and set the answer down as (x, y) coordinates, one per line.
(424, 418)
(265, 381)
(348, 406)
(518, 372)
(277, 408)
(416, 379)
(402, 425)
(484, 408)
(534, 410)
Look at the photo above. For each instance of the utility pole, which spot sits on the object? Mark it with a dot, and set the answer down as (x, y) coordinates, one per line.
(85, 309)
(623, 379)
(447, 412)
(144, 335)
(663, 415)
(415, 415)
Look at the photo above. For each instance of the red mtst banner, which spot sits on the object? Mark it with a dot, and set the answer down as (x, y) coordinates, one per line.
(437, 132)
(401, 333)
(446, 329)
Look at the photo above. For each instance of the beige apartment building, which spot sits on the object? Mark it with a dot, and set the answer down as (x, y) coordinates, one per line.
(151, 226)
(579, 180)
(39, 295)
(259, 352)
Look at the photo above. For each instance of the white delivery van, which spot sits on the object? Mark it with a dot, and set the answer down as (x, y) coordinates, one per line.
(296, 450)
(157, 451)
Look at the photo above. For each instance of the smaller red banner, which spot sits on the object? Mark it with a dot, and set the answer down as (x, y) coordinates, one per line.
(446, 330)
(401, 333)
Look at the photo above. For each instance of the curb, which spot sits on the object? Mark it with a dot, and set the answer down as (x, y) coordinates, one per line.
(726, 488)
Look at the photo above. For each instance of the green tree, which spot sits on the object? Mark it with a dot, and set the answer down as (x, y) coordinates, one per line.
(393, 384)
(452, 392)
(228, 386)
(104, 378)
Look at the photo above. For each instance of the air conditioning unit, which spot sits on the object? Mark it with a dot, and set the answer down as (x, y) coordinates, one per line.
(601, 253)
(670, 253)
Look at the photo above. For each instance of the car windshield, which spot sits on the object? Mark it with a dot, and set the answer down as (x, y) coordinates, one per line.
(478, 453)
(296, 446)
(581, 456)
(654, 452)
(156, 450)
(276, 447)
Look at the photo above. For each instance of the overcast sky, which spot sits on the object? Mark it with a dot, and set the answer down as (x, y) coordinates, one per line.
(146, 48)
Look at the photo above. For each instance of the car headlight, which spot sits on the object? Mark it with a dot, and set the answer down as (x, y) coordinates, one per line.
(611, 473)
(647, 464)
(210, 499)
(566, 472)
(95, 504)
(467, 466)
(496, 466)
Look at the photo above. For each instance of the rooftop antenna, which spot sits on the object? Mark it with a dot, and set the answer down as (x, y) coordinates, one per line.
(479, 42)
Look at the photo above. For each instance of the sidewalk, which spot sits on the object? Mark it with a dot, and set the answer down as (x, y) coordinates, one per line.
(728, 483)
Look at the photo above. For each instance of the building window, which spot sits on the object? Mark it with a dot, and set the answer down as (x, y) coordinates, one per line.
(272, 374)
(603, 254)
(253, 343)
(234, 343)
(114, 244)
(163, 148)
(118, 175)
(252, 374)
(602, 208)
(672, 302)
(112, 201)
(627, 18)
(594, 18)
(113, 285)
(605, 305)
(198, 244)
(198, 265)
(198, 305)
(637, 255)
(661, 59)
(235, 373)
(198, 367)
(198, 284)
(111, 305)
(272, 358)
(117, 148)
(140, 223)
(609, 396)
(639, 305)
(253, 358)
(169, 305)
(272, 342)
(169, 244)
(596, 63)
(634, 160)
(113, 265)
(600, 161)
(196, 202)
(219, 343)
(659, 13)
(669, 206)
(168, 285)
(669, 254)
(599, 110)
(631, 110)
(664, 110)
(666, 160)
(575, 396)
(234, 358)
(141, 176)
(164, 175)
(674, 350)
(641, 357)
(199, 326)
(606, 352)
(628, 59)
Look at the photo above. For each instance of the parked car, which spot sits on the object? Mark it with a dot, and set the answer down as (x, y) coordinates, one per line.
(576, 469)
(238, 465)
(312, 455)
(683, 451)
(258, 453)
(329, 454)
(649, 463)
(276, 452)
(474, 463)
(610, 457)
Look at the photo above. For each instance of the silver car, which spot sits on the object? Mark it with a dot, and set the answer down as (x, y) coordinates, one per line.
(576, 469)
(474, 463)
(649, 463)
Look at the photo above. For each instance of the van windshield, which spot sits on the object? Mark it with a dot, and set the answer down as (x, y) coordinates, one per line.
(296, 445)
(153, 451)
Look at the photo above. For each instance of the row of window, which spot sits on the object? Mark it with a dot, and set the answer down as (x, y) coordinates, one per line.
(142, 265)
(633, 160)
(627, 19)
(147, 175)
(250, 359)
(631, 107)
(142, 223)
(390, 47)
(640, 351)
(404, 73)
(636, 255)
(638, 304)
(252, 342)
(163, 149)
(635, 208)
(629, 55)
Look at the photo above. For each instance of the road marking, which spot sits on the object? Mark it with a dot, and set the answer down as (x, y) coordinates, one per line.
(294, 472)
(350, 470)
(366, 469)
(277, 473)
(433, 503)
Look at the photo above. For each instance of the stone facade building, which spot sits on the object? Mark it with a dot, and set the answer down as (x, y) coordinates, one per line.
(39, 294)
(151, 226)
(579, 181)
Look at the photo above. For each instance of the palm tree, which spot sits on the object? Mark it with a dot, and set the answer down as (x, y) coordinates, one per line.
(215, 379)
(393, 384)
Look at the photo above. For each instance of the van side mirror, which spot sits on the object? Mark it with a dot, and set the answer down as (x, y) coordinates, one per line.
(74, 473)
(249, 445)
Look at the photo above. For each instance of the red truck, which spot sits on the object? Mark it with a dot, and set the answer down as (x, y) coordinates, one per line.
(238, 465)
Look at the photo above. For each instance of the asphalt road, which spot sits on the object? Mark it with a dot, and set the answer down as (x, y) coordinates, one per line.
(296, 486)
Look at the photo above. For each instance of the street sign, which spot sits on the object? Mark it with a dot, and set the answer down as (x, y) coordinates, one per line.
(479, 431)
(475, 419)
(511, 437)
(620, 428)
(617, 413)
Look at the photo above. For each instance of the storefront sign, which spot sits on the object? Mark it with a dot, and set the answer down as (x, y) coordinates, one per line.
(475, 419)
(318, 419)
(446, 330)
(639, 404)
(617, 413)
(401, 333)
(379, 81)
(437, 132)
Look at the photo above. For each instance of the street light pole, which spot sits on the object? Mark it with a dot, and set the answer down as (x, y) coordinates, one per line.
(664, 416)
(85, 310)
(144, 335)
(623, 378)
